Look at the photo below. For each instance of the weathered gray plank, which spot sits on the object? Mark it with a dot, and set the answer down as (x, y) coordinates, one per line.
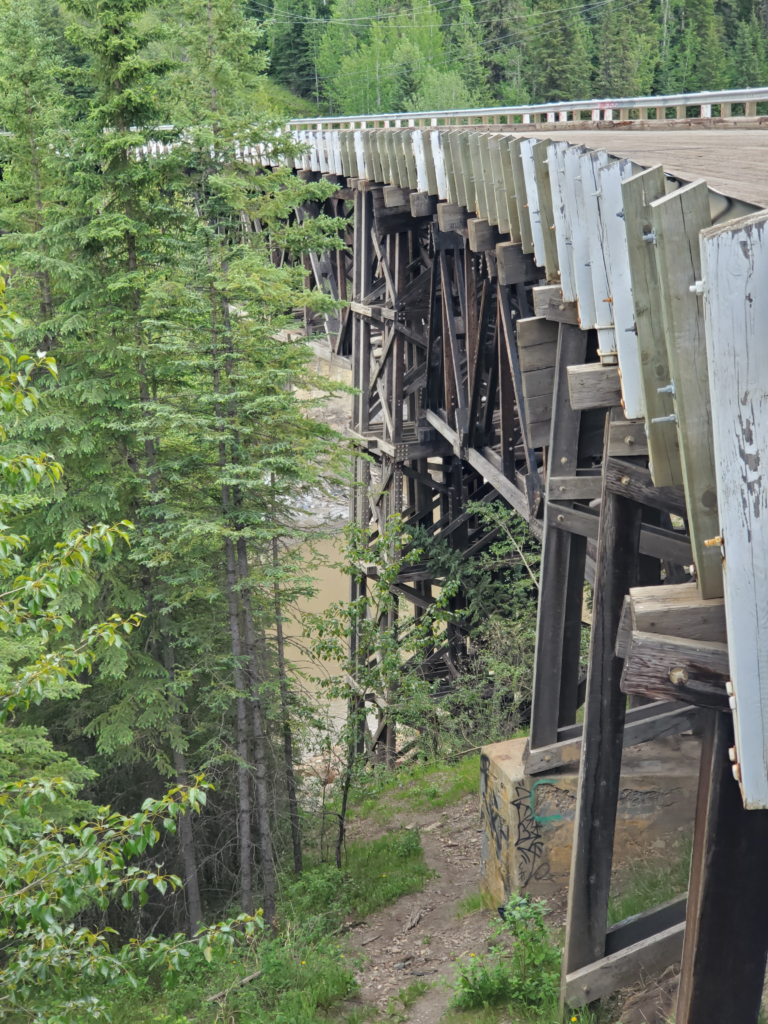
(622, 969)
(735, 269)
(677, 220)
(500, 192)
(451, 217)
(677, 610)
(635, 482)
(638, 192)
(536, 330)
(658, 543)
(594, 386)
(548, 301)
(627, 438)
(675, 668)
(647, 924)
(524, 220)
(541, 155)
(509, 188)
(514, 266)
(574, 488)
(538, 382)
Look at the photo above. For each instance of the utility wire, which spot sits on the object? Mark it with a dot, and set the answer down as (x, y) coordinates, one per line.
(542, 31)
(270, 15)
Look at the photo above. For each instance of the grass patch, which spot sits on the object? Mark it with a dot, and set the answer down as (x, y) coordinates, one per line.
(408, 996)
(374, 874)
(475, 902)
(421, 787)
(304, 971)
(651, 882)
(488, 1015)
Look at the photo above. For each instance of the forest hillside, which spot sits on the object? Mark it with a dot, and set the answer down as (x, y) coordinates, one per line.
(356, 56)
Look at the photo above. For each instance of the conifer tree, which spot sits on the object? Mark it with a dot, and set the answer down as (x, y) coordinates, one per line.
(626, 45)
(295, 30)
(708, 68)
(558, 53)
(31, 105)
(468, 53)
(749, 59)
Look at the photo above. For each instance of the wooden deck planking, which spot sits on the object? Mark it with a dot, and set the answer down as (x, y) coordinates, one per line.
(733, 161)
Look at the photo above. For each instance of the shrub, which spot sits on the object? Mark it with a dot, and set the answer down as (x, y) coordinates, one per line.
(482, 981)
(528, 976)
(535, 957)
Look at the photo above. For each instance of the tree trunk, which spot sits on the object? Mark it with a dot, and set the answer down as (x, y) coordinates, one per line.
(348, 769)
(185, 834)
(188, 855)
(241, 708)
(243, 781)
(259, 746)
(290, 778)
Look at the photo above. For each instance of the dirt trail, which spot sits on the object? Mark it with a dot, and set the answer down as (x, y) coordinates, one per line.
(393, 957)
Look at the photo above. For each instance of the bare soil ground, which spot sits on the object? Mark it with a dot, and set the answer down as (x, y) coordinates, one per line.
(421, 937)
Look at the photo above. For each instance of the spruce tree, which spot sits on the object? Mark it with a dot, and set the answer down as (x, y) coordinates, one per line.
(295, 30)
(558, 53)
(468, 51)
(748, 66)
(31, 107)
(626, 45)
(710, 66)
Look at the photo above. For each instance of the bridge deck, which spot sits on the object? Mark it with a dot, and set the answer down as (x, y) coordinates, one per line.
(734, 162)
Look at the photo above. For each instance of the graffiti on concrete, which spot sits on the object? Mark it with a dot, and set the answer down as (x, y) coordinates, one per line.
(496, 824)
(528, 842)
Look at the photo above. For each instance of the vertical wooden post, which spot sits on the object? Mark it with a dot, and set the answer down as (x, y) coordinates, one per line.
(507, 338)
(363, 257)
(507, 410)
(726, 931)
(638, 192)
(618, 546)
(677, 220)
(561, 585)
(449, 374)
(401, 245)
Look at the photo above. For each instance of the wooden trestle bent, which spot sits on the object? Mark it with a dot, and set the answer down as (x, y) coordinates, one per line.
(488, 283)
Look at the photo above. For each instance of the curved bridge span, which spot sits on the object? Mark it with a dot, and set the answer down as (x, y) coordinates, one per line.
(565, 308)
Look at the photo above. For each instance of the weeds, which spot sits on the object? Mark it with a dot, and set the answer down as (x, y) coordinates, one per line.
(414, 788)
(476, 901)
(408, 996)
(651, 882)
(528, 976)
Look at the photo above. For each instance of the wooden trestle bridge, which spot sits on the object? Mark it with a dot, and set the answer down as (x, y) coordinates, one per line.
(563, 313)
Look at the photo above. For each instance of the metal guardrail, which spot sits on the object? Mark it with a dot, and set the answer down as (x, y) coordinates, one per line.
(598, 109)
